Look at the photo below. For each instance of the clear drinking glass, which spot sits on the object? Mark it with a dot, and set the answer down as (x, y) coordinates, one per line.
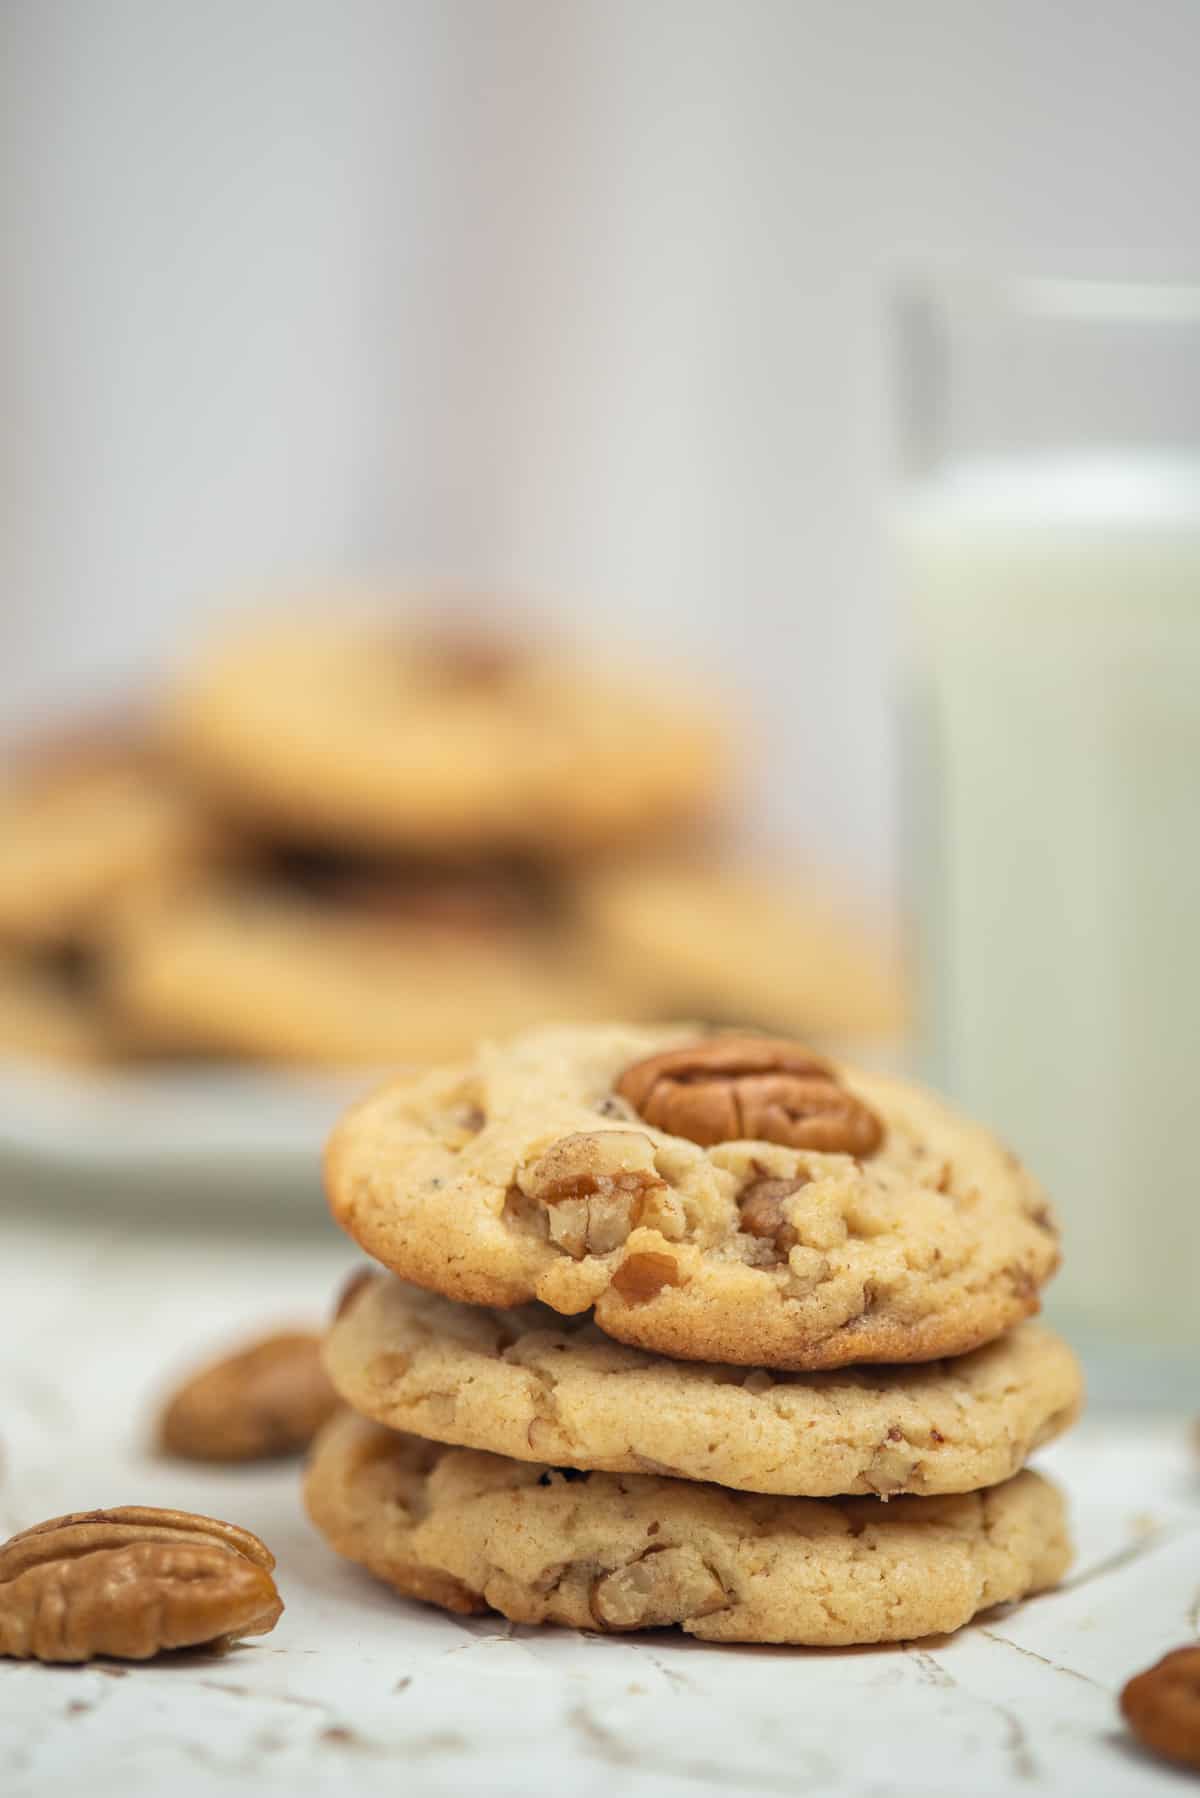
(1049, 530)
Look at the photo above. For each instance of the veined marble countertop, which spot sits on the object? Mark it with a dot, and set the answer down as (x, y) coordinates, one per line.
(358, 1691)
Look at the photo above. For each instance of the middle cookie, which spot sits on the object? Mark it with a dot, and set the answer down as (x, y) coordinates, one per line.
(539, 1387)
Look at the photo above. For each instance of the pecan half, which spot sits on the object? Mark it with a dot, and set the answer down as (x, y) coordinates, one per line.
(1162, 1706)
(765, 1088)
(266, 1400)
(132, 1582)
(596, 1186)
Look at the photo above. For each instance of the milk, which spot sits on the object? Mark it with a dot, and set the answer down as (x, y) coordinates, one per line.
(1056, 855)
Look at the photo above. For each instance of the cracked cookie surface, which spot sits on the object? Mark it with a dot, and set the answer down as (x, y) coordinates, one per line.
(615, 1552)
(537, 1387)
(525, 1174)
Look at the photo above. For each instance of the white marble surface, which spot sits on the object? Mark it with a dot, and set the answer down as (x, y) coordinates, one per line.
(357, 1691)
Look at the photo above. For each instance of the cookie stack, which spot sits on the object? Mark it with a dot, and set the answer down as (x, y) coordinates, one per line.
(690, 1329)
(333, 841)
(417, 809)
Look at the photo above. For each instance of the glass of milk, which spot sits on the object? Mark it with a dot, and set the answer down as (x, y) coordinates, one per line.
(1050, 536)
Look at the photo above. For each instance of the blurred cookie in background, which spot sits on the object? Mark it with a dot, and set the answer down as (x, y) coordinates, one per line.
(704, 941)
(87, 818)
(376, 738)
(355, 843)
(325, 965)
(49, 1012)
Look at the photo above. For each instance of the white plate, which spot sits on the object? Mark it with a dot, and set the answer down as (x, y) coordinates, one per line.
(227, 1138)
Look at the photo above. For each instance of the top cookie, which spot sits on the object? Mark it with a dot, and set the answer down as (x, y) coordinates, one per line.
(358, 736)
(721, 1198)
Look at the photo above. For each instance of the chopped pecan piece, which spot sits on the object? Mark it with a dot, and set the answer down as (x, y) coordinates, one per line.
(595, 1185)
(760, 1211)
(664, 1586)
(643, 1275)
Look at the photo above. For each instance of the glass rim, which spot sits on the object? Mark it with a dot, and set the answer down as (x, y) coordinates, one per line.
(1151, 295)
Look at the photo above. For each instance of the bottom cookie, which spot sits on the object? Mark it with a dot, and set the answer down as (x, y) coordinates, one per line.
(475, 1532)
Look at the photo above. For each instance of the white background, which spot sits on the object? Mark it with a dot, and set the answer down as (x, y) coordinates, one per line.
(577, 300)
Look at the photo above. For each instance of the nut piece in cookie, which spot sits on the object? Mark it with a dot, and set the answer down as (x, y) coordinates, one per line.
(764, 1088)
(596, 1186)
(1162, 1706)
(664, 1585)
(266, 1400)
(761, 1212)
(131, 1583)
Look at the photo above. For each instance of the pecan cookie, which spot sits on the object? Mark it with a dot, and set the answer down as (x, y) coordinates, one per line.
(48, 1016)
(611, 1552)
(83, 824)
(269, 970)
(725, 1198)
(357, 734)
(715, 943)
(538, 1387)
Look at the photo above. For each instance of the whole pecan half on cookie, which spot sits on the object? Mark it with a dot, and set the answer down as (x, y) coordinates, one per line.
(132, 1582)
(729, 1088)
